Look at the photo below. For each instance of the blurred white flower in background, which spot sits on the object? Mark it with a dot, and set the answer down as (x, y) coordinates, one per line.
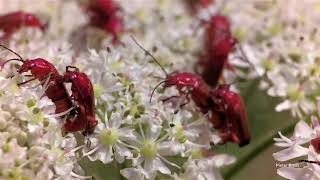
(281, 41)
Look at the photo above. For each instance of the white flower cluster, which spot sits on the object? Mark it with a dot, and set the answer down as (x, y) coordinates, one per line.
(149, 140)
(281, 40)
(32, 146)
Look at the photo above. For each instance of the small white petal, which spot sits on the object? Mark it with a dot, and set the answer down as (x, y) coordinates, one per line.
(222, 160)
(282, 144)
(137, 161)
(295, 173)
(302, 129)
(285, 105)
(153, 132)
(284, 138)
(278, 139)
(290, 153)
(121, 152)
(148, 166)
(160, 166)
(106, 156)
(133, 173)
(126, 134)
(170, 148)
(115, 120)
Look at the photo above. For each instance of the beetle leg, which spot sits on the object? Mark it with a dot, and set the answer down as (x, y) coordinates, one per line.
(183, 104)
(85, 134)
(25, 82)
(64, 113)
(88, 143)
(74, 105)
(46, 84)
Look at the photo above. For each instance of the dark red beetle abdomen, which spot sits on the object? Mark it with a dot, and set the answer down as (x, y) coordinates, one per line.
(218, 43)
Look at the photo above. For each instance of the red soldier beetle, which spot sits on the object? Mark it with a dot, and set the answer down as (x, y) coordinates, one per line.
(104, 14)
(226, 108)
(54, 89)
(11, 22)
(43, 70)
(83, 94)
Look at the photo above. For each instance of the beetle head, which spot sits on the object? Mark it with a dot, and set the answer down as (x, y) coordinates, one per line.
(26, 66)
(182, 80)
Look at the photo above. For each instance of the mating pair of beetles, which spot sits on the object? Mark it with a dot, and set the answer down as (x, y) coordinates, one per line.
(225, 109)
(78, 110)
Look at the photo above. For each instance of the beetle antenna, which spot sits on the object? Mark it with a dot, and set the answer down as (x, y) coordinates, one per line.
(2, 65)
(149, 54)
(12, 52)
(156, 88)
